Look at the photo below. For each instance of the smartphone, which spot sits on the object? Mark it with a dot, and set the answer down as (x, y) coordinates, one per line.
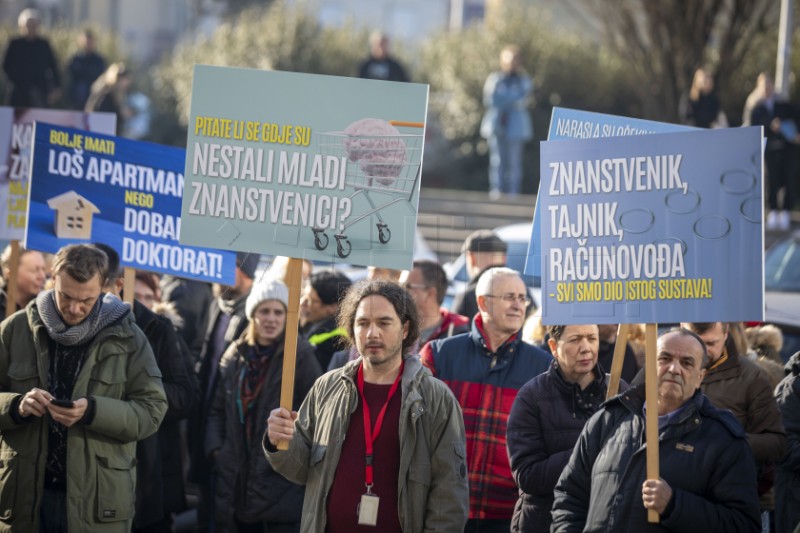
(63, 403)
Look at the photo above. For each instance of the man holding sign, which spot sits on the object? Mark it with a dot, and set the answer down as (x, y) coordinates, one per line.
(379, 442)
(708, 473)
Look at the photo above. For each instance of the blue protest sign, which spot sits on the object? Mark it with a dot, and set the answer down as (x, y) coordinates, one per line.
(88, 187)
(653, 229)
(572, 124)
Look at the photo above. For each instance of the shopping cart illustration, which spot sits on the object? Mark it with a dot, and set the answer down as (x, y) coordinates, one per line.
(384, 168)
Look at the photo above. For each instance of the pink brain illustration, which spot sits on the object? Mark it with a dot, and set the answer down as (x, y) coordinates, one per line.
(378, 148)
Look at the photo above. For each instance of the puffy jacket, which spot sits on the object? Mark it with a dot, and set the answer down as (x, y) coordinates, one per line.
(121, 375)
(485, 382)
(432, 485)
(247, 486)
(545, 422)
(703, 456)
(741, 387)
(787, 480)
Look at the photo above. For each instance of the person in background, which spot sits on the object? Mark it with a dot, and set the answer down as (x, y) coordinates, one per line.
(79, 386)
(109, 93)
(608, 343)
(31, 276)
(701, 107)
(227, 322)
(380, 65)
(787, 479)
(250, 495)
(482, 250)
(507, 122)
(485, 368)
(426, 282)
(30, 66)
(84, 68)
(410, 469)
(546, 420)
(159, 470)
(707, 474)
(192, 300)
(319, 302)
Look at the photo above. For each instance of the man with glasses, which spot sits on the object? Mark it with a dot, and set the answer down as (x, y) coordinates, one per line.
(426, 282)
(78, 387)
(485, 368)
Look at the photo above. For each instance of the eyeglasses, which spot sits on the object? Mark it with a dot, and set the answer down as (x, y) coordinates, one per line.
(410, 286)
(510, 297)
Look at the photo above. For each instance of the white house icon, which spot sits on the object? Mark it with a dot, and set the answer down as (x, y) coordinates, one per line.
(73, 215)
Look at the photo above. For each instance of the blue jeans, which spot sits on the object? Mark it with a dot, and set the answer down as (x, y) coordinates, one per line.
(505, 165)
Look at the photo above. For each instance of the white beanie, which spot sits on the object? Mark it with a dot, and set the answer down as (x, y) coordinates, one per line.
(263, 290)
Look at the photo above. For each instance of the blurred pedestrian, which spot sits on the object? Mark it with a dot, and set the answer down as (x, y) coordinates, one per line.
(701, 106)
(31, 275)
(250, 495)
(30, 66)
(787, 482)
(546, 420)
(507, 122)
(109, 93)
(79, 386)
(380, 65)
(84, 68)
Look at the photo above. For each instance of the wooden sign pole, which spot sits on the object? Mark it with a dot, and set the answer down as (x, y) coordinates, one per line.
(129, 285)
(651, 395)
(11, 282)
(294, 278)
(616, 362)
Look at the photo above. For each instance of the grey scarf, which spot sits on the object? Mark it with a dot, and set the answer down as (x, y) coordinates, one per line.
(107, 309)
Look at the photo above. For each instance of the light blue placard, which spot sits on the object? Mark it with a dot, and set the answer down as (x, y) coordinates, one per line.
(653, 229)
(301, 165)
(572, 124)
(89, 187)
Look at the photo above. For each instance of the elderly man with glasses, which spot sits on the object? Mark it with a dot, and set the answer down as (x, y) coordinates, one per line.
(485, 368)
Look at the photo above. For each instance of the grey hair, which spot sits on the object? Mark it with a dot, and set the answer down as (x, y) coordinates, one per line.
(486, 280)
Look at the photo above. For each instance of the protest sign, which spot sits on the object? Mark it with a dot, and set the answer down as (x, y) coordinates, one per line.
(658, 228)
(573, 124)
(16, 139)
(88, 187)
(302, 165)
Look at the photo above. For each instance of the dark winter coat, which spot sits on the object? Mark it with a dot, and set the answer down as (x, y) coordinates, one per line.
(787, 481)
(159, 471)
(247, 486)
(545, 422)
(703, 456)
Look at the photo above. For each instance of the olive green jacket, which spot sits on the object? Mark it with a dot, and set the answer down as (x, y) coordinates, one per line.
(121, 375)
(432, 486)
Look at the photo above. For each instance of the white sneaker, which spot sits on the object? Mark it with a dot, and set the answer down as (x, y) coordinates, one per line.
(772, 220)
(784, 221)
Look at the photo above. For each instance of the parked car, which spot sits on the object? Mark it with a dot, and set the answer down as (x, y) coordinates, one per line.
(517, 236)
(782, 290)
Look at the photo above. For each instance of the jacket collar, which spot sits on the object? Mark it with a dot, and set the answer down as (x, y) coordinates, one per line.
(412, 371)
(479, 337)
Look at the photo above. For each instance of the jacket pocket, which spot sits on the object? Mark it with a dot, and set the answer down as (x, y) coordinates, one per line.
(8, 484)
(109, 378)
(23, 375)
(116, 476)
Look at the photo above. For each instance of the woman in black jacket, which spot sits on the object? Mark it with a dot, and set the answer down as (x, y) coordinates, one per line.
(546, 420)
(250, 496)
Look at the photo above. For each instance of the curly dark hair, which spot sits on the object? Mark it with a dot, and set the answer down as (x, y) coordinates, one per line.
(402, 302)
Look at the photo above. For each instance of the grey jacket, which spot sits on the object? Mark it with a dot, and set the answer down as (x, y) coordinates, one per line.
(432, 485)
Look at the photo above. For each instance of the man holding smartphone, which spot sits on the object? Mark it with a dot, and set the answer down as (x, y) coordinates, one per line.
(72, 468)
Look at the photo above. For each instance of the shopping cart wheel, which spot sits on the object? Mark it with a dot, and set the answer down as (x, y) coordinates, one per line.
(319, 242)
(383, 233)
(343, 247)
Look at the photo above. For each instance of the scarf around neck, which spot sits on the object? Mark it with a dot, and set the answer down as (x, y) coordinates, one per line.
(107, 310)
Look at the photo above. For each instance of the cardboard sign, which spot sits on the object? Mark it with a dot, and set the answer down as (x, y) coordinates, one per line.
(88, 187)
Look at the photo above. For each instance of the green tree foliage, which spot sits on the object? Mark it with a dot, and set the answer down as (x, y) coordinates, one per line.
(568, 71)
(274, 38)
(64, 42)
